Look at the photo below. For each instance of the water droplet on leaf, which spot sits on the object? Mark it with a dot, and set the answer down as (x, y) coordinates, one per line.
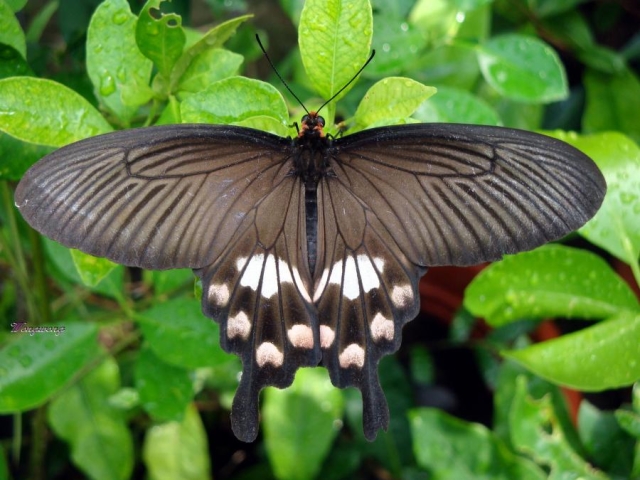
(120, 18)
(107, 85)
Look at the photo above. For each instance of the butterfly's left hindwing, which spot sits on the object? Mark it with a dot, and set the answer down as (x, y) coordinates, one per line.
(257, 293)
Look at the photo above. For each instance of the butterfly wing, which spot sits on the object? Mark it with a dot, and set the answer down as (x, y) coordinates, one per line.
(259, 292)
(405, 198)
(217, 199)
(160, 197)
(464, 194)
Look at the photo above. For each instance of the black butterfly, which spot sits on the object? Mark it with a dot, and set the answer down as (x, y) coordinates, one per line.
(310, 249)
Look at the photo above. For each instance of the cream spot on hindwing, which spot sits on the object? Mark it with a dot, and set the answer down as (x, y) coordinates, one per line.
(300, 336)
(268, 353)
(327, 335)
(352, 356)
(381, 328)
(219, 294)
(402, 296)
(238, 326)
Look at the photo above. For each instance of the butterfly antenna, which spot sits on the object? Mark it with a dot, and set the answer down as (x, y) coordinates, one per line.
(373, 52)
(273, 67)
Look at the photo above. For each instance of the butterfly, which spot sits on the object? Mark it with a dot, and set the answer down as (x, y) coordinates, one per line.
(310, 248)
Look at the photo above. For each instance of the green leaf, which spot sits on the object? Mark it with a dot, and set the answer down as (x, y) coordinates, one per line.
(164, 282)
(12, 64)
(629, 422)
(10, 31)
(600, 357)
(335, 41)
(506, 386)
(171, 113)
(178, 449)
(36, 365)
(616, 226)
(437, 20)
(225, 102)
(300, 424)
(165, 390)
(62, 117)
(214, 38)
(606, 443)
(209, 67)
(391, 97)
(17, 156)
(120, 73)
(101, 444)
(464, 450)
(91, 269)
(16, 5)
(452, 105)
(160, 36)
(178, 333)
(523, 68)
(449, 65)
(536, 432)
(62, 258)
(399, 46)
(613, 102)
(551, 281)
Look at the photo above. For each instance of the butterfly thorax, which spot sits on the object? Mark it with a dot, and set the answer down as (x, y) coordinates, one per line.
(311, 163)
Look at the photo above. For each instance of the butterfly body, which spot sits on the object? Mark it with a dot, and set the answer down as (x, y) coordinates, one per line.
(310, 249)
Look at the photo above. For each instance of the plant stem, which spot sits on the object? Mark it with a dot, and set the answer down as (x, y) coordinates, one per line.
(38, 445)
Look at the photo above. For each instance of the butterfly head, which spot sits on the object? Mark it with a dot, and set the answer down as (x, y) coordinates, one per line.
(312, 126)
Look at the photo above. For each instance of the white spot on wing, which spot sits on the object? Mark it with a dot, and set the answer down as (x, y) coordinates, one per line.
(336, 274)
(368, 274)
(352, 356)
(240, 263)
(327, 335)
(266, 353)
(238, 326)
(219, 294)
(285, 273)
(379, 263)
(401, 296)
(381, 328)
(300, 336)
(350, 284)
(322, 284)
(270, 278)
(251, 275)
(301, 287)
